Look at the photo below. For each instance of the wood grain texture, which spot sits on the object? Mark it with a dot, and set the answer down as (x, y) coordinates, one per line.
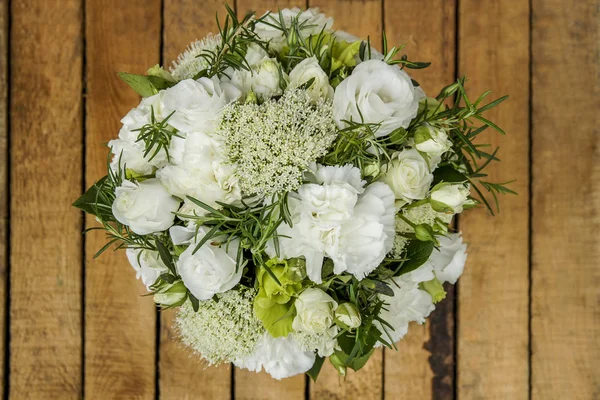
(423, 366)
(250, 385)
(493, 291)
(4, 186)
(120, 326)
(360, 18)
(183, 375)
(46, 170)
(566, 201)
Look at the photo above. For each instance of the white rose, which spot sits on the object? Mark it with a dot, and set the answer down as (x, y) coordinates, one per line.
(212, 269)
(281, 357)
(408, 175)
(348, 314)
(450, 196)
(196, 104)
(380, 93)
(201, 172)
(146, 207)
(306, 70)
(147, 264)
(449, 260)
(314, 311)
(311, 22)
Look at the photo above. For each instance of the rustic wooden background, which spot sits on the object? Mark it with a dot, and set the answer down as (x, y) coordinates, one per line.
(523, 323)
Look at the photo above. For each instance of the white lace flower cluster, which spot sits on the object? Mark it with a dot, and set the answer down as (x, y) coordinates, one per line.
(273, 143)
(292, 191)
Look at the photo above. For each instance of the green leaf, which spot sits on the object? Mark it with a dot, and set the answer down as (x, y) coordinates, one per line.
(448, 174)
(165, 256)
(143, 85)
(417, 252)
(93, 199)
(195, 302)
(417, 64)
(314, 371)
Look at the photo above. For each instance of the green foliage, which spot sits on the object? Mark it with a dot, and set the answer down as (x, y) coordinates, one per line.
(145, 85)
(156, 135)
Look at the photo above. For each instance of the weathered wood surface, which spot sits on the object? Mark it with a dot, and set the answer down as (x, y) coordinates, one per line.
(523, 321)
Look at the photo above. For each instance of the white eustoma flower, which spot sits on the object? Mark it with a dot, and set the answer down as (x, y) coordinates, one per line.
(306, 70)
(311, 21)
(127, 150)
(146, 207)
(314, 311)
(210, 270)
(196, 104)
(147, 264)
(452, 196)
(281, 357)
(337, 217)
(449, 261)
(408, 304)
(377, 93)
(408, 175)
(200, 171)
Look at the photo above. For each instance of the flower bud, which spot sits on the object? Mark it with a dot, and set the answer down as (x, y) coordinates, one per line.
(348, 315)
(448, 91)
(372, 169)
(424, 233)
(435, 289)
(449, 198)
(171, 295)
(338, 364)
(160, 72)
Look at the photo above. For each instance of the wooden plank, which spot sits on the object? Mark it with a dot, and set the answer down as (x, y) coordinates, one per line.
(361, 18)
(46, 170)
(120, 325)
(251, 385)
(4, 189)
(566, 196)
(423, 366)
(493, 292)
(182, 375)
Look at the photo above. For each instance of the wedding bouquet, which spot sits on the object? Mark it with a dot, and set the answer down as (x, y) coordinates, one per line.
(291, 190)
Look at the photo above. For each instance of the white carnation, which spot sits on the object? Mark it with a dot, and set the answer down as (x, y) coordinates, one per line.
(449, 260)
(280, 357)
(408, 175)
(210, 270)
(339, 218)
(306, 70)
(376, 93)
(147, 264)
(196, 104)
(146, 207)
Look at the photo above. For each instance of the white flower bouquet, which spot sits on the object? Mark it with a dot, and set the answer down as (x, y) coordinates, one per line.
(291, 190)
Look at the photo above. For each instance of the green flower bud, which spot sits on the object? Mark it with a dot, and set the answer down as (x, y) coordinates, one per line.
(160, 72)
(448, 91)
(422, 134)
(424, 233)
(348, 315)
(435, 289)
(338, 364)
(171, 295)
(251, 98)
(372, 169)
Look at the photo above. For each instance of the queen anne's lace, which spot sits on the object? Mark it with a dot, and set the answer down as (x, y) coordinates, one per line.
(224, 329)
(272, 144)
(188, 63)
